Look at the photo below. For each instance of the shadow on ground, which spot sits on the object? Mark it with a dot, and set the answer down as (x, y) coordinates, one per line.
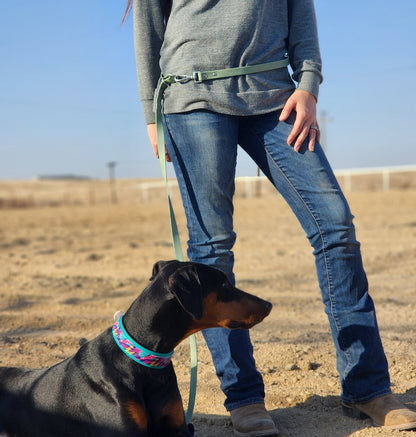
(318, 416)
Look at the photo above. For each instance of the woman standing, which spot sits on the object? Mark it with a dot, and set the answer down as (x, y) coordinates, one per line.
(274, 121)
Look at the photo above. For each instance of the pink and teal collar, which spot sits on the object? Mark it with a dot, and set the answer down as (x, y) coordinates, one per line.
(137, 352)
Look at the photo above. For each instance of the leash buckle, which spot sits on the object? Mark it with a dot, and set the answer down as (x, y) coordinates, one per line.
(197, 76)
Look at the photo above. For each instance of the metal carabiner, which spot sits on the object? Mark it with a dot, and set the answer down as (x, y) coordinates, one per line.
(182, 78)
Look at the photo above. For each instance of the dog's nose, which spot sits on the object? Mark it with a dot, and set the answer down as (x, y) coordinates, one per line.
(268, 306)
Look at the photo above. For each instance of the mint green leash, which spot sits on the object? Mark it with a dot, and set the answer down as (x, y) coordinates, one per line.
(202, 76)
(179, 256)
(164, 82)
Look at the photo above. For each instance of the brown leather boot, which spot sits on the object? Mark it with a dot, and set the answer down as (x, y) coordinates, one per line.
(384, 411)
(253, 421)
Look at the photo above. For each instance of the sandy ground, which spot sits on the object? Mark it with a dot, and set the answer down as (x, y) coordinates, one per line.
(65, 270)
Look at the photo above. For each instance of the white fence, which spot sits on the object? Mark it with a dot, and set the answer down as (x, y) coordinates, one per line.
(385, 173)
(252, 186)
(26, 194)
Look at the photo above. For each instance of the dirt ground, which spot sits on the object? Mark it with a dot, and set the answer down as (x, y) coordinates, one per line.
(65, 271)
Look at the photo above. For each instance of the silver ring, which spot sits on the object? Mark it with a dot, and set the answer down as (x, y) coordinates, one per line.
(314, 127)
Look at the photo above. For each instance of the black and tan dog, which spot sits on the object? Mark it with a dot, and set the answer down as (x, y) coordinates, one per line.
(101, 391)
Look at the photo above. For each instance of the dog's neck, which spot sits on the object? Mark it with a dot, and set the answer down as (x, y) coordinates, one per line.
(159, 328)
(137, 352)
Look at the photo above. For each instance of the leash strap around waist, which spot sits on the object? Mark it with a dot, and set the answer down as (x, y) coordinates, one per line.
(202, 76)
(199, 77)
(164, 82)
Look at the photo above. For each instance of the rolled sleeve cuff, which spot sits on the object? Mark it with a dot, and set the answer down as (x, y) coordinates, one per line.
(149, 114)
(310, 81)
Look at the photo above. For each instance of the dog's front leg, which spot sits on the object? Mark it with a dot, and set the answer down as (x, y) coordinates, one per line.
(168, 417)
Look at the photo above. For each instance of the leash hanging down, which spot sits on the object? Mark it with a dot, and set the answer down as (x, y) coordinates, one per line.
(179, 256)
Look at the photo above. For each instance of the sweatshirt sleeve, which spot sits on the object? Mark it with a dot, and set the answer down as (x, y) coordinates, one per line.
(303, 46)
(148, 29)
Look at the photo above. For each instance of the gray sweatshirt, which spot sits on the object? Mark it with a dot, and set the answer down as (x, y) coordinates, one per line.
(214, 34)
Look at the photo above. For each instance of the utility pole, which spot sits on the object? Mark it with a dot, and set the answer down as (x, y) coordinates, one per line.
(111, 172)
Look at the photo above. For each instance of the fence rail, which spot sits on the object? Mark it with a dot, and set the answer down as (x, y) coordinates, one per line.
(385, 173)
(26, 194)
(252, 186)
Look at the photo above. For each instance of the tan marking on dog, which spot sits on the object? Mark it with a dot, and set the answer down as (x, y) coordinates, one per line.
(175, 413)
(137, 412)
(217, 313)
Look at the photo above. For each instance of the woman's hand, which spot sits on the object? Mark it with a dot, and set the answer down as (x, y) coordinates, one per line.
(151, 132)
(304, 104)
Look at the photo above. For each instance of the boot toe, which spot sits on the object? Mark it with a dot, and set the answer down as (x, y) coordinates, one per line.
(385, 411)
(253, 421)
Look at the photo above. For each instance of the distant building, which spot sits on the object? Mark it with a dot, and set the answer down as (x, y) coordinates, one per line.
(61, 177)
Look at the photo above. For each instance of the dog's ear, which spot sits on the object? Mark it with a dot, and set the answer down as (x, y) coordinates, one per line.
(184, 283)
(157, 267)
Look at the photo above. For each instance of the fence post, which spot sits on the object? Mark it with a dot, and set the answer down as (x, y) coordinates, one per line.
(386, 179)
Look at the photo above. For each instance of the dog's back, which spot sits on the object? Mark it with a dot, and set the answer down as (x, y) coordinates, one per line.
(63, 400)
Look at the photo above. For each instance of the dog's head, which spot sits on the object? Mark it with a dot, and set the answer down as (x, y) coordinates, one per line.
(207, 295)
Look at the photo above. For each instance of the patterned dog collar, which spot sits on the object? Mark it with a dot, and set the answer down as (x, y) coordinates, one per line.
(137, 352)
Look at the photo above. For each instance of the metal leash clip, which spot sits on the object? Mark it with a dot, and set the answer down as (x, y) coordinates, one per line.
(183, 78)
(196, 76)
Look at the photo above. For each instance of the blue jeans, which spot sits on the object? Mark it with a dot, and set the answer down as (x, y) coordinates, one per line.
(203, 148)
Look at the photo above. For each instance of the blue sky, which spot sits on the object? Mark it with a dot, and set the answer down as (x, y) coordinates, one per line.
(69, 100)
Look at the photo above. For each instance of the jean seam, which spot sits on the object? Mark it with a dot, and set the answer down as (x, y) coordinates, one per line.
(327, 269)
(186, 199)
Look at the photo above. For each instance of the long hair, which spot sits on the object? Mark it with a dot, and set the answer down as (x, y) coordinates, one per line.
(130, 2)
(127, 11)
